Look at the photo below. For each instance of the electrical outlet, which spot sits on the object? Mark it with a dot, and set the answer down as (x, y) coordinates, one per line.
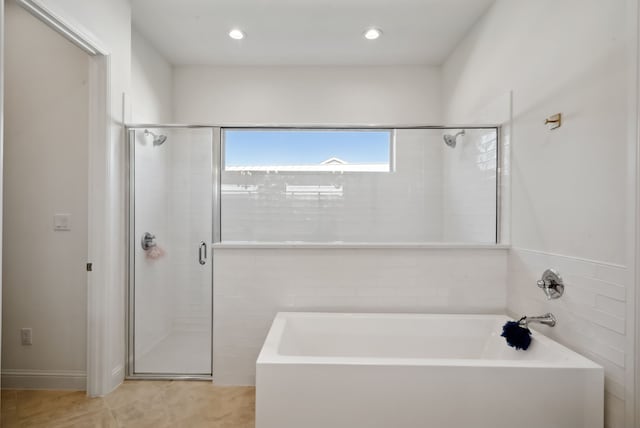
(26, 336)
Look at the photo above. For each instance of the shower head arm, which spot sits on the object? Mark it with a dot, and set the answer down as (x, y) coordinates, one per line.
(158, 139)
(451, 140)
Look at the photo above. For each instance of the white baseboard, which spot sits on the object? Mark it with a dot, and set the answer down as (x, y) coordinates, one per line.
(117, 377)
(44, 379)
(118, 372)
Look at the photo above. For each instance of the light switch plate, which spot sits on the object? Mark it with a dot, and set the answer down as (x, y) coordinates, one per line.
(26, 336)
(62, 222)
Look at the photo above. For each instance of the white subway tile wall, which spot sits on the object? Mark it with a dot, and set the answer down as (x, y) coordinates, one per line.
(152, 277)
(591, 314)
(252, 285)
(469, 188)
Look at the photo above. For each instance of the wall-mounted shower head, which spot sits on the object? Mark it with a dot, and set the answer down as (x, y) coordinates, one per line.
(158, 139)
(452, 140)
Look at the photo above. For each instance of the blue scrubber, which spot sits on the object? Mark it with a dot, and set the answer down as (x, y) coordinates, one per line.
(517, 336)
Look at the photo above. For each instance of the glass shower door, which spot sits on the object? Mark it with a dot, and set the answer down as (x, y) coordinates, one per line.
(170, 309)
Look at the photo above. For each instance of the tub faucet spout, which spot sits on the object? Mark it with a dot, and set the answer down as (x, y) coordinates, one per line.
(546, 319)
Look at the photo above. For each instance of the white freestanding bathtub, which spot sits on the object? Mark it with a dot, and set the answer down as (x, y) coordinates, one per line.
(322, 370)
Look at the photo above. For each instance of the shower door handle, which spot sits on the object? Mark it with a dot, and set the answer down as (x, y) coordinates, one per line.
(202, 253)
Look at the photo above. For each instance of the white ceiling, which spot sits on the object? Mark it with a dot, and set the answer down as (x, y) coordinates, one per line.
(306, 32)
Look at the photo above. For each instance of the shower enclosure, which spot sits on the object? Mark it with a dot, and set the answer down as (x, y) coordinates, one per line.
(170, 263)
(193, 186)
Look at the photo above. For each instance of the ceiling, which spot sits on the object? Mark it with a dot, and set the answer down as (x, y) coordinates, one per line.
(306, 32)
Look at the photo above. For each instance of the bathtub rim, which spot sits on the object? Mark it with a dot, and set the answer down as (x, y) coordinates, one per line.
(269, 354)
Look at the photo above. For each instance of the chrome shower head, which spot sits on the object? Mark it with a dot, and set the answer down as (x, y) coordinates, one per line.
(158, 139)
(452, 140)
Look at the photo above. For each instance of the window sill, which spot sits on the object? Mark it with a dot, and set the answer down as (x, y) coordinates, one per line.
(354, 245)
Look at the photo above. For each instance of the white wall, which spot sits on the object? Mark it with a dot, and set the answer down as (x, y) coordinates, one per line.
(107, 22)
(579, 82)
(45, 173)
(307, 95)
(252, 285)
(151, 83)
(569, 186)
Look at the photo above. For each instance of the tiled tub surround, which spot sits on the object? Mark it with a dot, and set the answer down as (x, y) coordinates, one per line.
(252, 285)
(591, 314)
(454, 371)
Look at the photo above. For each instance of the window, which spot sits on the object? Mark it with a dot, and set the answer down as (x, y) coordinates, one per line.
(406, 185)
(308, 150)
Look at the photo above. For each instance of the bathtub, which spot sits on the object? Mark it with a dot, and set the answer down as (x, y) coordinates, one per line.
(321, 370)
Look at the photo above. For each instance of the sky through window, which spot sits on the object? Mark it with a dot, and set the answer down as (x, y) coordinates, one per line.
(245, 147)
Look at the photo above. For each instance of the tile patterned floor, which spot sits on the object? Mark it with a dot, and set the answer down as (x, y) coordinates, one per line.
(139, 404)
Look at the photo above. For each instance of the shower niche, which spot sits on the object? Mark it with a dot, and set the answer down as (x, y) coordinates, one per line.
(170, 264)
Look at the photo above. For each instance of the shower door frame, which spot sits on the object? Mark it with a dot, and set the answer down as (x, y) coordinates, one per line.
(216, 148)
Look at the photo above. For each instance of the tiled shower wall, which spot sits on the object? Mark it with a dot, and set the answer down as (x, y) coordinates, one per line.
(591, 314)
(469, 188)
(252, 285)
(189, 215)
(151, 215)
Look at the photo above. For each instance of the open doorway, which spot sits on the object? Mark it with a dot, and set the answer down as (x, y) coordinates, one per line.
(46, 179)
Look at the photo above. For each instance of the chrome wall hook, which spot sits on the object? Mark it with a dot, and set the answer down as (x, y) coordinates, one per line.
(551, 283)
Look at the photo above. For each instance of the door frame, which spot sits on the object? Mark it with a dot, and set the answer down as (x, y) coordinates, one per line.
(2, 26)
(99, 378)
(632, 390)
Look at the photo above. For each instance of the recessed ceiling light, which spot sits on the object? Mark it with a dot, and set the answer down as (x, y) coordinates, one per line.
(236, 34)
(372, 33)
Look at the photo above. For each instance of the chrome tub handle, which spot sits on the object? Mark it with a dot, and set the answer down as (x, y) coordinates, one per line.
(148, 241)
